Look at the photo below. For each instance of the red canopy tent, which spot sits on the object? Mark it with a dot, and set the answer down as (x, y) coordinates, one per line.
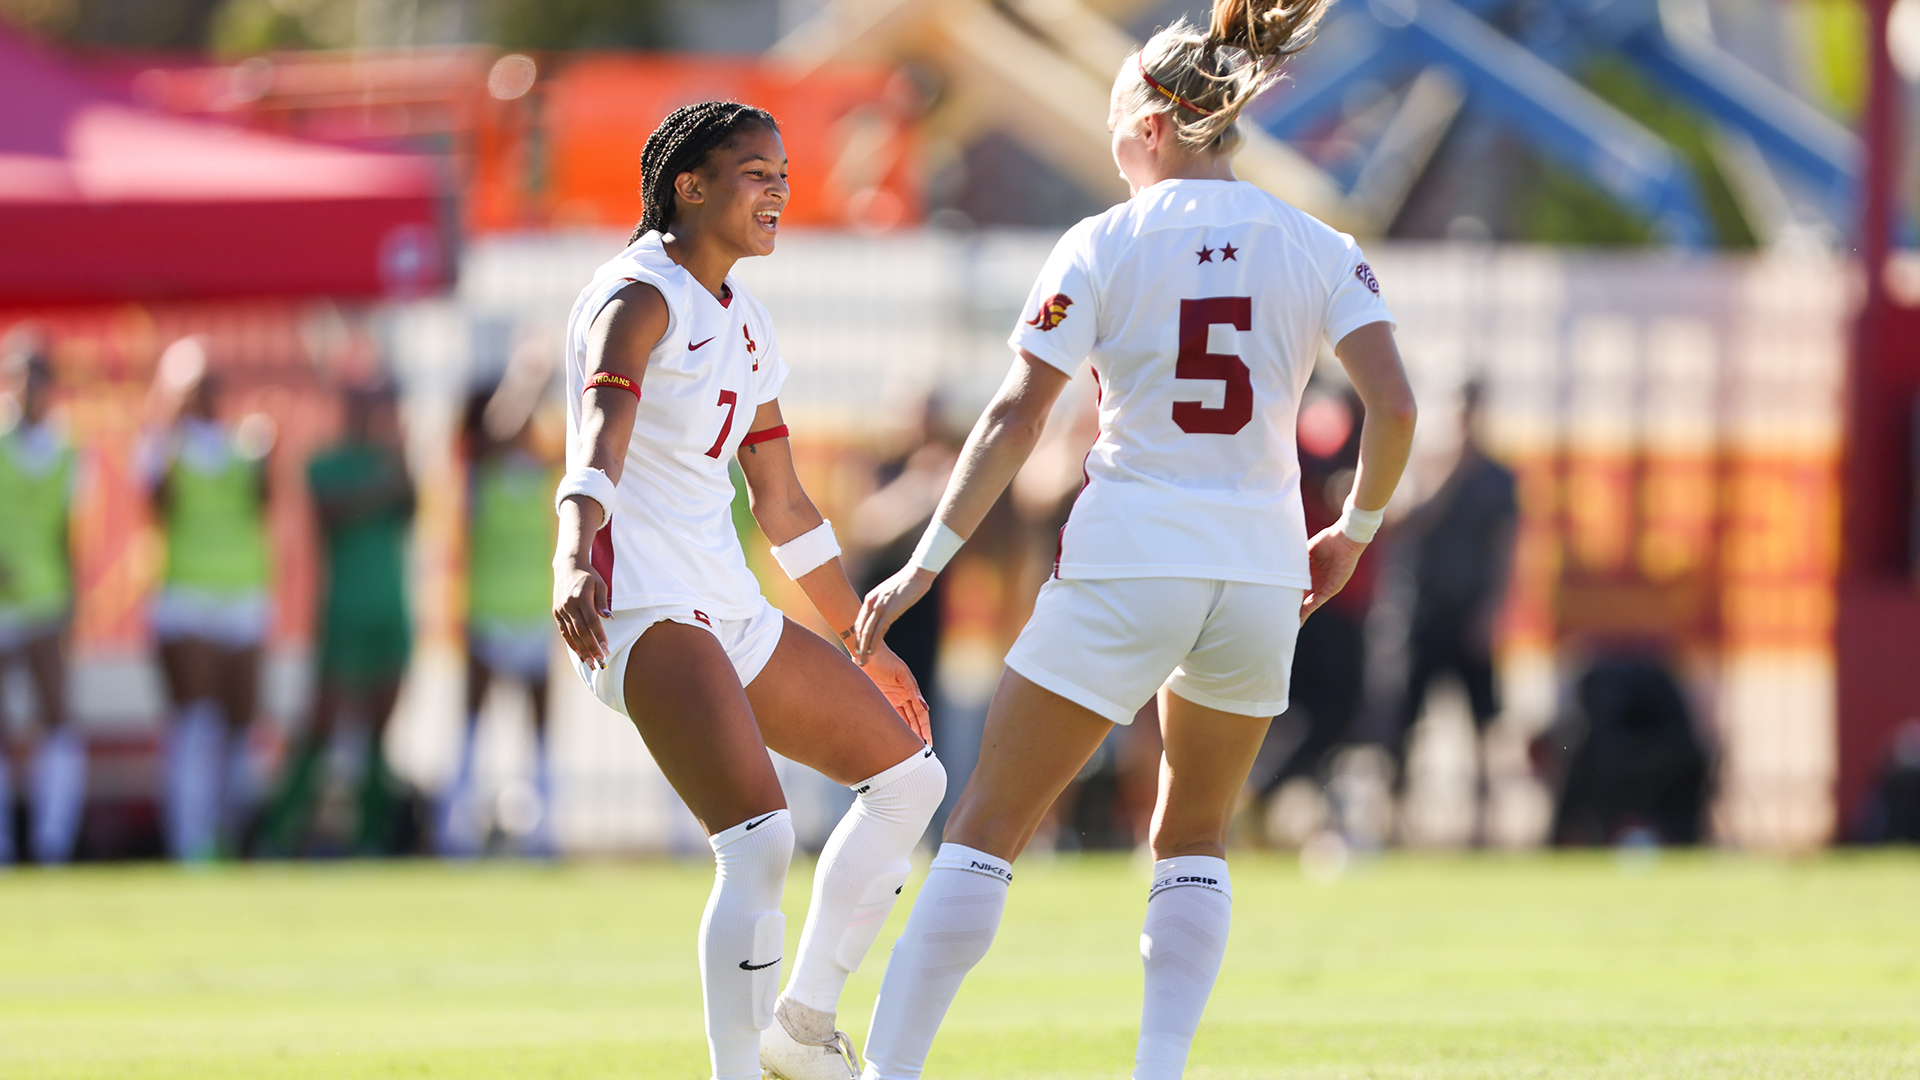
(103, 201)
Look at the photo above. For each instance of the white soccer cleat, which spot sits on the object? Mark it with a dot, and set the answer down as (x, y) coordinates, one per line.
(802, 1044)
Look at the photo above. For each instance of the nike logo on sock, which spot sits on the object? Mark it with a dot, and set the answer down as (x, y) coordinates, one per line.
(744, 966)
(762, 821)
(690, 348)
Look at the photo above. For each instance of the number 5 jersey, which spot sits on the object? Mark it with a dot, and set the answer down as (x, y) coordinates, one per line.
(671, 540)
(1201, 305)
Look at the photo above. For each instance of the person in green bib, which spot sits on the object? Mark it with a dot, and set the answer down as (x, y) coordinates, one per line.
(510, 631)
(364, 499)
(208, 482)
(37, 477)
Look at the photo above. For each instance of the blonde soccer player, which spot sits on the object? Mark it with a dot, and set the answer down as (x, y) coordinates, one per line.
(673, 370)
(1185, 568)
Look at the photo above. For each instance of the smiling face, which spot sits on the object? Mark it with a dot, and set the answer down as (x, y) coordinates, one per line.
(737, 194)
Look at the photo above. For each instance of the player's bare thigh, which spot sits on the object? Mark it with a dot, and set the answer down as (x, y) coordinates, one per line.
(1207, 756)
(684, 696)
(1033, 744)
(816, 707)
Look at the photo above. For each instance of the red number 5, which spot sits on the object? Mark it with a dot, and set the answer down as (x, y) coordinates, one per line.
(729, 399)
(1195, 362)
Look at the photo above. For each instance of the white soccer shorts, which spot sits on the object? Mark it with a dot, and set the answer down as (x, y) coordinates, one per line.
(1109, 644)
(519, 649)
(230, 621)
(748, 642)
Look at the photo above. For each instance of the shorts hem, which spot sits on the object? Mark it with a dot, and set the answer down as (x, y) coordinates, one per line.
(1182, 688)
(1077, 694)
(1084, 572)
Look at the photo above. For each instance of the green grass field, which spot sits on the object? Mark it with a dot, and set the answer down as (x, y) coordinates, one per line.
(1699, 965)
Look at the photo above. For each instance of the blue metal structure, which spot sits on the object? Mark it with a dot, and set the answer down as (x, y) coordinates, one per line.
(1520, 82)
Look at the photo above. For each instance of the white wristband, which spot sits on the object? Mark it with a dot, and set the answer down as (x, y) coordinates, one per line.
(807, 552)
(1359, 525)
(936, 547)
(593, 483)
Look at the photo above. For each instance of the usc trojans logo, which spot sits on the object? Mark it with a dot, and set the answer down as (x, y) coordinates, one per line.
(1052, 310)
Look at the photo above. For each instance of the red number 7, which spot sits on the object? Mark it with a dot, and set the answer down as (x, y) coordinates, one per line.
(729, 399)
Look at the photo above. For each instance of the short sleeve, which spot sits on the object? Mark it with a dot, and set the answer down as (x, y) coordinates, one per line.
(1355, 299)
(1059, 321)
(769, 367)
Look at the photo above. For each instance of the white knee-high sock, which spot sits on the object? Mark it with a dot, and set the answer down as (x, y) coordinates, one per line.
(195, 753)
(459, 832)
(953, 922)
(742, 936)
(59, 794)
(1188, 911)
(6, 810)
(861, 872)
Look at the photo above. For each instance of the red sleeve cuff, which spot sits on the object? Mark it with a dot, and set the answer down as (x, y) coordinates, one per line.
(763, 435)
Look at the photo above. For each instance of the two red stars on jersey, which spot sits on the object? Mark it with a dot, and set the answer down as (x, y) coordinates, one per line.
(1226, 252)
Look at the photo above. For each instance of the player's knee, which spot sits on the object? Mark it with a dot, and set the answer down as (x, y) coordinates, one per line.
(910, 791)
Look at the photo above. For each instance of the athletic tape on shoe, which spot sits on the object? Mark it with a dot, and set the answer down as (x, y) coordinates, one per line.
(769, 938)
(593, 483)
(807, 552)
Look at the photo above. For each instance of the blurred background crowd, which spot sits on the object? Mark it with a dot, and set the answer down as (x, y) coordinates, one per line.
(282, 284)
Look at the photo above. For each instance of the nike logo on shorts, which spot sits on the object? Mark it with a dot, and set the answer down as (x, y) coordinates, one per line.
(744, 966)
(690, 348)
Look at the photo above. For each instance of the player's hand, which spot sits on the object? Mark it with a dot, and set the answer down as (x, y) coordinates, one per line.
(1331, 557)
(888, 601)
(895, 680)
(580, 601)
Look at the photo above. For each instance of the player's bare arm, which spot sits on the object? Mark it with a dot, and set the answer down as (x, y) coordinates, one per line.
(1373, 365)
(623, 336)
(997, 447)
(782, 507)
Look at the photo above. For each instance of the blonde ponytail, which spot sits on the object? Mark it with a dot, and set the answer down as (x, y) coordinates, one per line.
(1204, 81)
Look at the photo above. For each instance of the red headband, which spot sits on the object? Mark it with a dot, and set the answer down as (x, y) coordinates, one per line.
(1140, 60)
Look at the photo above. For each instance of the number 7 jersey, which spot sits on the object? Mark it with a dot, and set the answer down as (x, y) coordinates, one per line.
(671, 539)
(1201, 305)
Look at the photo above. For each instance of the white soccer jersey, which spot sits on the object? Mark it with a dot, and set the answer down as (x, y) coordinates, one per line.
(671, 538)
(1201, 304)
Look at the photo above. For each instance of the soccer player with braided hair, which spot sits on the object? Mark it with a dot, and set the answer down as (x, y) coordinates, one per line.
(673, 370)
(1184, 569)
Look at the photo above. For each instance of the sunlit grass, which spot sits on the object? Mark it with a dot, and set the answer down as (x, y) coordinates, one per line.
(1695, 966)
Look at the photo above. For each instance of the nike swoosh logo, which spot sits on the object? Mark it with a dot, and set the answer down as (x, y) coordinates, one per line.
(763, 820)
(690, 348)
(744, 966)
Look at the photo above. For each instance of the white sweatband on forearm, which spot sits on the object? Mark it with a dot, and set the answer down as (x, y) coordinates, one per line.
(1359, 525)
(807, 552)
(593, 483)
(936, 547)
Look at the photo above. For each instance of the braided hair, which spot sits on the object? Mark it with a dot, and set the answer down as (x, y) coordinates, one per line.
(681, 144)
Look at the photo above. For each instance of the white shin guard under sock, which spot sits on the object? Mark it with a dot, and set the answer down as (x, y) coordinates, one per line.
(861, 872)
(1188, 912)
(953, 922)
(59, 794)
(742, 936)
(195, 759)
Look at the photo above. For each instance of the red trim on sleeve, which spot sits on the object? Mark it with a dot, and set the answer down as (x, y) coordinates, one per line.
(764, 435)
(618, 382)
